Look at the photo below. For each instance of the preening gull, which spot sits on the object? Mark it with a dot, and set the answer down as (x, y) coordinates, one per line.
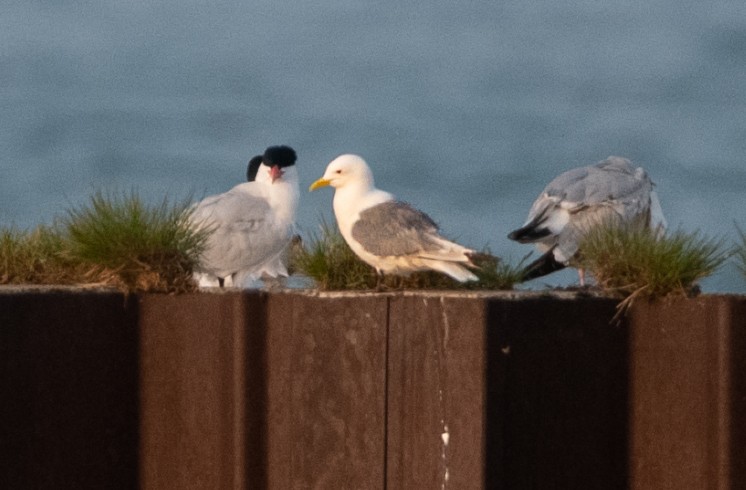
(583, 197)
(251, 224)
(390, 235)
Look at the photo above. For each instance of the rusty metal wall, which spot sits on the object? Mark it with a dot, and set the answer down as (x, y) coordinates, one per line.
(415, 390)
(557, 395)
(68, 390)
(688, 402)
(203, 391)
(326, 378)
(436, 395)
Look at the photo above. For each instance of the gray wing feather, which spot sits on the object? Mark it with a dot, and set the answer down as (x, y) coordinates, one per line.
(233, 211)
(614, 179)
(241, 235)
(610, 190)
(395, 228)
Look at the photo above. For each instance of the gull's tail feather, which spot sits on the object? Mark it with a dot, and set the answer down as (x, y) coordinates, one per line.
(452, 260)
(454, 270)
(546, 264)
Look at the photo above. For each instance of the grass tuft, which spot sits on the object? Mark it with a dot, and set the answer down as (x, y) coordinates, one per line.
(330, 262)
(632, 261)
(133, 246)
(495, 273)
(35, 257)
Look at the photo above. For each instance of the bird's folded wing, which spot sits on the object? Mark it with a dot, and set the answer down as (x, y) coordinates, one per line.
(241, 227)
(586, 187)
(599, 185)
(395, 228)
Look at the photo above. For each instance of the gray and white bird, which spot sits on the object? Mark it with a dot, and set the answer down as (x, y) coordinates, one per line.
(277, 269)
(252, 224)
(580, 198)
(390, 235)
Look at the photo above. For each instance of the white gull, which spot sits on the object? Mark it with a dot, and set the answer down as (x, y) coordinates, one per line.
(390, 235)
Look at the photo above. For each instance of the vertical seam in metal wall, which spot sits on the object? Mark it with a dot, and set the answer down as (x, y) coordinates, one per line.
(238, 338)
(724, 389)
(386, 407)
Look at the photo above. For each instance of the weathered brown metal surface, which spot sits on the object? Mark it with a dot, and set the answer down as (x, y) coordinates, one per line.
(688, 372)
(416, 390)
(203, 391)
(68, 390)
(737, 397)
(436, 393)
(529, 393)
(326, 361)
(556, 395)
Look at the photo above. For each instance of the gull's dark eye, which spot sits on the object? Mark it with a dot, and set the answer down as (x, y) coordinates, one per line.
(339, 171)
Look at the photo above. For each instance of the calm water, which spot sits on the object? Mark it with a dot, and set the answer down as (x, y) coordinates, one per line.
(466, 109)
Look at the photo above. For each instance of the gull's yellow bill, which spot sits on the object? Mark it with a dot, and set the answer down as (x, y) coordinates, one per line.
(322, 182)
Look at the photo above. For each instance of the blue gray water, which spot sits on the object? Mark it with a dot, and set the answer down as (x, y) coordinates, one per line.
(466, 109)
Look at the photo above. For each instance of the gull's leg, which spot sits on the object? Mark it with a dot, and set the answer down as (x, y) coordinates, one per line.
(581, 276)
(379, 280)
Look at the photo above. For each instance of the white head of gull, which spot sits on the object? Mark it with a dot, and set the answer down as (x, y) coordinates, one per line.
(390, 235)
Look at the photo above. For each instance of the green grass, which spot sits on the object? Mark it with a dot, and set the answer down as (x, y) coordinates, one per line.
(740, 252)
(35, 257)
(114, 240)
(632, 261)
(134, 246)
(494, 272)
(330, 262)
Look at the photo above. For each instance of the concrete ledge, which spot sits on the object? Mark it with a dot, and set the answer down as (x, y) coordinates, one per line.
(346, 390)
